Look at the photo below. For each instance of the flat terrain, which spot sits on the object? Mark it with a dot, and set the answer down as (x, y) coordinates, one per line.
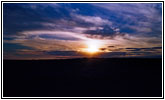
(129, 77)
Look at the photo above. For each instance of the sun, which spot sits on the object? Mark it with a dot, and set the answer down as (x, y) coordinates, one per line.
(93, 46)
(92, 49)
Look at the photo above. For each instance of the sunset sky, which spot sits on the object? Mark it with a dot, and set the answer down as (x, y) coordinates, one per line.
(76, 30)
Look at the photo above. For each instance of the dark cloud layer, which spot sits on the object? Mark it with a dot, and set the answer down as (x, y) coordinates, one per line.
(143, 49)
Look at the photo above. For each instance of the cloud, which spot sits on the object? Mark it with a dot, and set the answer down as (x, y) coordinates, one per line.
(62, 35)
(64, 53)
(12, 47)
(111, 46)
(104, 31)
(96, 20)
(144, 49)
(136, 17)
(22, 17)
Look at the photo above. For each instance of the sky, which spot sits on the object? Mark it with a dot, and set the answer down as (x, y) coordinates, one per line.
(78, 30)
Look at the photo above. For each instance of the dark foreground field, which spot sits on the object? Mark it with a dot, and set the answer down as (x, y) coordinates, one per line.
(83, 78)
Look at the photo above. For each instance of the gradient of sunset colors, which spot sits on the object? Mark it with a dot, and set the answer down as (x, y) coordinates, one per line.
(78, 30)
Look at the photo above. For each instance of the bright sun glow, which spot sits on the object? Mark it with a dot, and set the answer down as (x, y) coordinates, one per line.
(92, 49)
(93, 46)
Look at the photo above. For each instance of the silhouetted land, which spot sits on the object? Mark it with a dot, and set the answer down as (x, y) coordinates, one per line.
(83, 78)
